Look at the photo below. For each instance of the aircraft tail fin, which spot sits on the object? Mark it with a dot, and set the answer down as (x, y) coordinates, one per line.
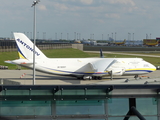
(26, 47)
(101, 53)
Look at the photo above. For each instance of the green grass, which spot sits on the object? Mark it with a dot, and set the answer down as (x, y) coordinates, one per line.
(74, 53)
(54, 53)
(65, 53)
(4, 56)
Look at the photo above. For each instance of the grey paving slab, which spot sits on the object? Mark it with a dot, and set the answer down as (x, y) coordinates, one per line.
(25, 77)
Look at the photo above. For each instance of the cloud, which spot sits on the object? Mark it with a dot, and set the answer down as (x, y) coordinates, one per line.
(88, 2)
(42, 7)
(82, 14)
(112, 15)
(61, 6)
(125, 2)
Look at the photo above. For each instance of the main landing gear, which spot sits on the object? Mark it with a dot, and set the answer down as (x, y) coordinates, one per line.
(136, 76)
(89, 78)
(97, 78)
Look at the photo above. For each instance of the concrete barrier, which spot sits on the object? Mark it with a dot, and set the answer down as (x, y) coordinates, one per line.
(3, 67)
(121, 48)
(8, 82)
(78, 46)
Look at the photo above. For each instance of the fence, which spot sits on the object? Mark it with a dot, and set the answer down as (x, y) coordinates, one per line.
(54, 46)
(8, 48)
(42, 47)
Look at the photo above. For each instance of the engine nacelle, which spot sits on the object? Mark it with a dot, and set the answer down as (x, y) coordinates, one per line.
(117, 72)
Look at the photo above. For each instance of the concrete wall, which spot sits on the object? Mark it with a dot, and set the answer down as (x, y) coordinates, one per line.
(78, 46)
(8, 82)
(120, 48)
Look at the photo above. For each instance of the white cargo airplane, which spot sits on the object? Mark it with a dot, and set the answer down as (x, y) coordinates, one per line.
(82, 68)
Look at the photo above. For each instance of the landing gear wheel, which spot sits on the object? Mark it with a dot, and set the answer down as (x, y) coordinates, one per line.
(111, 75)
(80, 78)
(136, 76)
(99, 78)
(94, 77)
(90, 77)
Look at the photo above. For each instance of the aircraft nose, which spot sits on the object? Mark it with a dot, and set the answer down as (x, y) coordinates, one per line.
(152, 67)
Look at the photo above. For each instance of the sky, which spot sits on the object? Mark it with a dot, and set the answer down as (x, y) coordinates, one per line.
(82, 19)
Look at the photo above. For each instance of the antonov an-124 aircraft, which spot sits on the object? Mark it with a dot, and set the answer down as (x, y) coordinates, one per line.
(81, 68)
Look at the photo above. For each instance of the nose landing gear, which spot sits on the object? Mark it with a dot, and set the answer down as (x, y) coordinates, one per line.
(136, 76)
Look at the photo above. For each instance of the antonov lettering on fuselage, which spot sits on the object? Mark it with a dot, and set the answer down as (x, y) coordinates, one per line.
(82, 68)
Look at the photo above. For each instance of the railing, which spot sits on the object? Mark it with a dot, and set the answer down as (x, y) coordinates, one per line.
(42, 47)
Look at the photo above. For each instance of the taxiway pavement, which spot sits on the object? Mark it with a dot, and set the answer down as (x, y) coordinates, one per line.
(25, 77)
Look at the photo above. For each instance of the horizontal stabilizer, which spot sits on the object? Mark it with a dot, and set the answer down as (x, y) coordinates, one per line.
(20, 62)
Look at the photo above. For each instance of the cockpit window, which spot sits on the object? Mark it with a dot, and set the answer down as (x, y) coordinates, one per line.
(146, 65)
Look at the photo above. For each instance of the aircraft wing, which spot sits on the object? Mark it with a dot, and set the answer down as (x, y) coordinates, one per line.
(88, 68)
(116, 67)
(92, 67)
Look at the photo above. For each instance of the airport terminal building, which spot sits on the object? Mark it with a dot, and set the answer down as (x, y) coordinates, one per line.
(80, 102)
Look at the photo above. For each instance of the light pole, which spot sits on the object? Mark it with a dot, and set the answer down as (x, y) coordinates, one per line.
(108, 37)
(56, 36)
(92, 36)
(133, 36)
(67, 36)
(75, 35)
(34, 29)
